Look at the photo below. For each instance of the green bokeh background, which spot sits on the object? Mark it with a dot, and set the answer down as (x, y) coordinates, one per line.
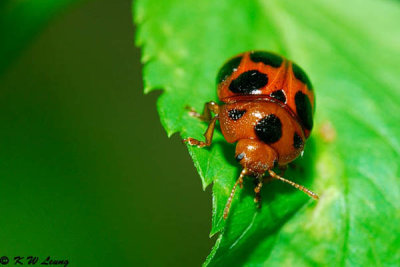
(86, 171)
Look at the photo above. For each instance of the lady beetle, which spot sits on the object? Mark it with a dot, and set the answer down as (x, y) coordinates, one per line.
(268, 104)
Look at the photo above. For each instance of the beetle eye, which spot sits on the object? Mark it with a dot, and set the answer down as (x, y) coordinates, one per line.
(240, 156)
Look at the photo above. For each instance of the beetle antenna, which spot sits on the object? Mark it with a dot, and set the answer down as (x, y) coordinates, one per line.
(238, 181)
(300, 187)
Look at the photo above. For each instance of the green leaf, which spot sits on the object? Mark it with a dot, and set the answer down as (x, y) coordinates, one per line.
(350, 50)
(20, 21)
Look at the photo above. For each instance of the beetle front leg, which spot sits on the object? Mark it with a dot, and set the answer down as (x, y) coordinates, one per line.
(257, 190)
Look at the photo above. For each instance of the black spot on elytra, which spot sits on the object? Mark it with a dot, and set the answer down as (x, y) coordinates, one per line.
(279, 95)
(297, 141)
(240, 156)
(301, 75)
(228, 68)
(248, 81)
(236, 114)
(304, 110)
(269, 129)
(266, 58)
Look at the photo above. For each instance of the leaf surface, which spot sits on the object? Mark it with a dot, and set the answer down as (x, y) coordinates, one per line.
(351, 52)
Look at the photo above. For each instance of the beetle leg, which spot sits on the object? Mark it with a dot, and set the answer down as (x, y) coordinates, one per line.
(257, 190)
(206, 116)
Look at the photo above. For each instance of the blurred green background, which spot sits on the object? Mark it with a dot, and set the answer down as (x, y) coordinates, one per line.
(86, 171)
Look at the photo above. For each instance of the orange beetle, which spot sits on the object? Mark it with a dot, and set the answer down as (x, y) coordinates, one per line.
(268, 105)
